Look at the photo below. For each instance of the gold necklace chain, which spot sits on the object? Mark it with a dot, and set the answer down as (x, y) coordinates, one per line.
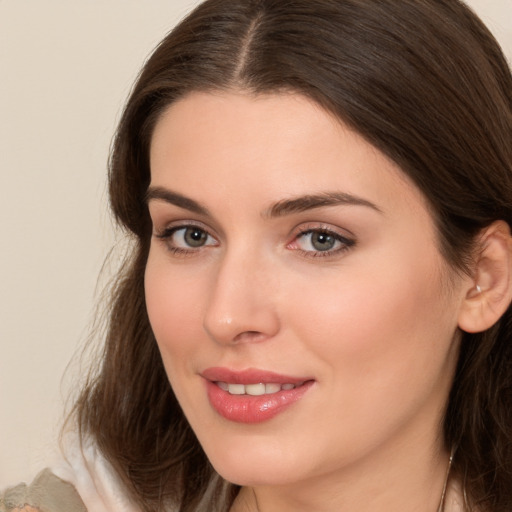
(445, 485)
(443, 494)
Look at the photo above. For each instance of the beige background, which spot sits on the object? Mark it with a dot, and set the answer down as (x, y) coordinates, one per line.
(66, 67)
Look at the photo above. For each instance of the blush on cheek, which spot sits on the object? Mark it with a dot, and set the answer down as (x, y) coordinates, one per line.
(175, 305)
(166, 304)
(367, 315)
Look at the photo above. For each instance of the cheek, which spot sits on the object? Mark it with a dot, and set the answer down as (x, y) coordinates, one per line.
(383, 322)
(174, 307)
(384, 341)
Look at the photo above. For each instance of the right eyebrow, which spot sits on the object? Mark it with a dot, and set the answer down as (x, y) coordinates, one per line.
(164, 194)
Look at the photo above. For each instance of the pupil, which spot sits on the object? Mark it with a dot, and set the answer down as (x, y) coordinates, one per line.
(322, 241)
(195, 237)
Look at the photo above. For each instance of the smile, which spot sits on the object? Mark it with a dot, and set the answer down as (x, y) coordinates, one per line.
(256, 389)
(252, 396)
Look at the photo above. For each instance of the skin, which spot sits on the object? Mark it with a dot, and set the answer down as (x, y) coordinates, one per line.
(373, 322)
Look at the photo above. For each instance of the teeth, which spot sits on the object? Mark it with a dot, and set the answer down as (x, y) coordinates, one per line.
(236, 389)
(256, 389)
(272, 388)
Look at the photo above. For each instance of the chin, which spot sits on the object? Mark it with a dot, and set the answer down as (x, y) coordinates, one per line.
(256, 462)
(251, 476)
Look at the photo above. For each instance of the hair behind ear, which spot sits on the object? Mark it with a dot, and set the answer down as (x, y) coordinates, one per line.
(479, 416)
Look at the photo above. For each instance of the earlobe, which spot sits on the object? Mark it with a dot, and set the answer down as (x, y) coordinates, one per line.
(491, 290)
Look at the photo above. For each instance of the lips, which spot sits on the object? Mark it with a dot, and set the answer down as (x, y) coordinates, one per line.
(252, 396)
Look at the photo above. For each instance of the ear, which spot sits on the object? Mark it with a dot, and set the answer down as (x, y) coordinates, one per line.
(490, 293)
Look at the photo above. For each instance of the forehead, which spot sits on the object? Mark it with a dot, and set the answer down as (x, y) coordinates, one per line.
(281, 144)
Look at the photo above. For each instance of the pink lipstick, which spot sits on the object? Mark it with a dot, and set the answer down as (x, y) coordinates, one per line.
(252, 396)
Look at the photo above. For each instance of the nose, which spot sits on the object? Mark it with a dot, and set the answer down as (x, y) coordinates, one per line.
(242, 302)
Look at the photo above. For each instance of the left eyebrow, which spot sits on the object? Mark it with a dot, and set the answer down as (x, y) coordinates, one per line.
(309, 202)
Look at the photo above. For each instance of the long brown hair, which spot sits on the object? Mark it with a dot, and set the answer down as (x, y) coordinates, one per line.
(424, 82)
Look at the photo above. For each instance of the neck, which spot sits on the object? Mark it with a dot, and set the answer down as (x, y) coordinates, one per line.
(412, 481)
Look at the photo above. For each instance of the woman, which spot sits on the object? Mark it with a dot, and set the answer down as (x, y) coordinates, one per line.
(320, 195)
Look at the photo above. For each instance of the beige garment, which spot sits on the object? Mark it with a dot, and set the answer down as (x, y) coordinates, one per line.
(92, 476)
(97, 483)
(47, 493)
(83, 481)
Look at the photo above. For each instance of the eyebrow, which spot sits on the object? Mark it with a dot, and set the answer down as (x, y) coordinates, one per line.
(279, 209)
(164, 194)
(310, 202)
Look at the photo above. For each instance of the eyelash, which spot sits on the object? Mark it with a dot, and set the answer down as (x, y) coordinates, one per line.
(166, 237)
(345, 243)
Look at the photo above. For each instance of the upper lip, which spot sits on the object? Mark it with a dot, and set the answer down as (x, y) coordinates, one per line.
(249, 376)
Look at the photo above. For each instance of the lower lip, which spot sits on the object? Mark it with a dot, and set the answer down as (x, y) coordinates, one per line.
(253, 409)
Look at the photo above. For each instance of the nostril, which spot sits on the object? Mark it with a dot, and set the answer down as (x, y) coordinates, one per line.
(249, 336)
(231, 317)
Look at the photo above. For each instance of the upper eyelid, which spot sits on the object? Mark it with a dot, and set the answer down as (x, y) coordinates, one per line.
(346, 240)
(306, 227)
(175, 225)
(209, 223)
(343, 235)
(162, 220)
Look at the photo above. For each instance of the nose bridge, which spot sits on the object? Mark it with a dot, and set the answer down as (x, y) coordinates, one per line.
(241, 303)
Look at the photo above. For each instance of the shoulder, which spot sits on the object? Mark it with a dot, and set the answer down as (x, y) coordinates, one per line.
(47, 493)
(80, 481)
(98, 485)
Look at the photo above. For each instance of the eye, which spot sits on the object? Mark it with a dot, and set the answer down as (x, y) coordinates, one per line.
(186, 238)
(190, 237)
(318, 241)
(321, 242)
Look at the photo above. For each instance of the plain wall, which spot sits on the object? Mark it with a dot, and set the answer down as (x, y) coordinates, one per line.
(66, 67)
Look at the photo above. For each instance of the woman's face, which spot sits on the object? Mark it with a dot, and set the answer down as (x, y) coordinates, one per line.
(305, 317)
